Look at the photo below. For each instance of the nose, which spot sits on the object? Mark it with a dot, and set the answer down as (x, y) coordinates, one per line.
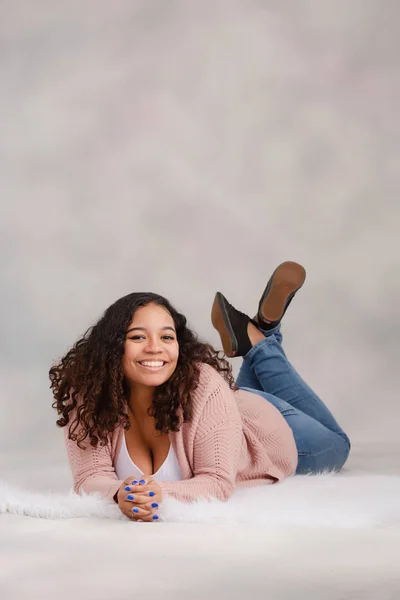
(153, 345)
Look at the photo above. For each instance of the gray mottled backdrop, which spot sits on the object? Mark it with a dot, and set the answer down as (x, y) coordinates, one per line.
(186, 147)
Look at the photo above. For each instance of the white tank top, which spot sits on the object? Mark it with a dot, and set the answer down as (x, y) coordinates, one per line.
(125, 467)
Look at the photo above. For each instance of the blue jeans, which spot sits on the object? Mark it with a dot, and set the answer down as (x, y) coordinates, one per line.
(321, 444)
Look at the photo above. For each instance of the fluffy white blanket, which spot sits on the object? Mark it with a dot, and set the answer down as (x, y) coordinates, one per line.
(327, 500)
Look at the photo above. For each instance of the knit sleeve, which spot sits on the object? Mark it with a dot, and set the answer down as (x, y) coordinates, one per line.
(217, 447)
(92, 468)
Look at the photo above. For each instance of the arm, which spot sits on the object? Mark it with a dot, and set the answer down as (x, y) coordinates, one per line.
(217, 448)
(215, 460)
(92, 468)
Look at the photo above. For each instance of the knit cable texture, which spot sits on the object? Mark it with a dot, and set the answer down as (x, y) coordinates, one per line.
(235, 439)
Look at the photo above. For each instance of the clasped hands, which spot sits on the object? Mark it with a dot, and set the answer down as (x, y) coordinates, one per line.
(139, 499)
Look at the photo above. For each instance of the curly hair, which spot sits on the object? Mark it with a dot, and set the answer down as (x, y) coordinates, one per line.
(89, 381)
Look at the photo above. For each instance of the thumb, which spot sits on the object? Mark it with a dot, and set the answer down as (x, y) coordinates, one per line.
(144, 479)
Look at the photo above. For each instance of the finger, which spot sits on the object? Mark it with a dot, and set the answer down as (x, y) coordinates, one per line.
(134, 485)
(127, 509)
(142, 480)
(150, 519)
(149, 507)
(140, 512)
(147, 490)
(136, 480)
(152, 508)
(137, 513)
(139, 498)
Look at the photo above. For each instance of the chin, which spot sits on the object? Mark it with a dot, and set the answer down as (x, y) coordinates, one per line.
(148, 379)
(154, 381)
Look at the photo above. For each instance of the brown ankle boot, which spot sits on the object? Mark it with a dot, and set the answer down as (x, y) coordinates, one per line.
(231, 325)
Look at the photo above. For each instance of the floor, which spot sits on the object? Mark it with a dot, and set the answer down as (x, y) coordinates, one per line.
(101, 559)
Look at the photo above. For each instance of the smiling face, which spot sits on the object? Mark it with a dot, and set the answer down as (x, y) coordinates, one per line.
(151, 348)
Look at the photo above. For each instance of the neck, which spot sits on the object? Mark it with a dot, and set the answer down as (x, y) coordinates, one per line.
(140, 400)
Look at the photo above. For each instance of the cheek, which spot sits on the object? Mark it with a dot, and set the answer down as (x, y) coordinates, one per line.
(175, 354)
(130, 351)
(128, 356)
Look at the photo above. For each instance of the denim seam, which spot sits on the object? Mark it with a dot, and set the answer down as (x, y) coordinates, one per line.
(314, 454)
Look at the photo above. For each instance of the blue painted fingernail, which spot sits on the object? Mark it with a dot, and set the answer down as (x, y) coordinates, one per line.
(154, 505)
(142, 481)
(130, 497)
(134, 482)
(154, 517)
(127, 489)
(152, 493)
(135, 510)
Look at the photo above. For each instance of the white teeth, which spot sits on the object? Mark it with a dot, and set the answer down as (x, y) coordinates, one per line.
(146, 363)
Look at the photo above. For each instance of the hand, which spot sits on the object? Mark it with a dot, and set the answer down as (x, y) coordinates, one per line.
(140, 500)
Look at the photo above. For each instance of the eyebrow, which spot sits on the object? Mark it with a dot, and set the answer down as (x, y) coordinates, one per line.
(144, 329)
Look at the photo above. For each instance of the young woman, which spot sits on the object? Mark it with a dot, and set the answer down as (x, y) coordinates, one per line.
(150, 411)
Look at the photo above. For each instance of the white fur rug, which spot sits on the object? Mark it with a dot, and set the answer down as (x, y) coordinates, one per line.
(344, 500)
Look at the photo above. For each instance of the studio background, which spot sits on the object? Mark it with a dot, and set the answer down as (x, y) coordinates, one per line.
(186, 148)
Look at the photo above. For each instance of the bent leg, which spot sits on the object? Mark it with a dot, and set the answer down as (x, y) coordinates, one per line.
(268, 365)
(319, 448)
(247, 377)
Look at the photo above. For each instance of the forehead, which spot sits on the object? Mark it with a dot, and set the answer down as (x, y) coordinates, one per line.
(152, 313)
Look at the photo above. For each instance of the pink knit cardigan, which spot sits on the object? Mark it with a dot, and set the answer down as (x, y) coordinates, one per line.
(234, 439)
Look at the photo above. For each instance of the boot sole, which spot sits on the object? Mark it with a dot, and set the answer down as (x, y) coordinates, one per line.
(286, 280)
(221, 322)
